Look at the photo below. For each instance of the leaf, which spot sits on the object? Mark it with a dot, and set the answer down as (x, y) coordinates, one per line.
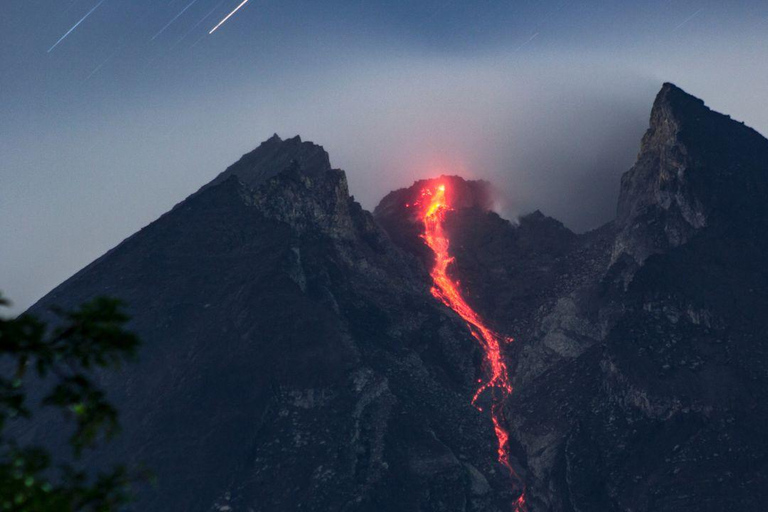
(93, 336)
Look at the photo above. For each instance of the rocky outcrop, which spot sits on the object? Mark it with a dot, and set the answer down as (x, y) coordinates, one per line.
(659, 409)
(272, 157)
(696, 168)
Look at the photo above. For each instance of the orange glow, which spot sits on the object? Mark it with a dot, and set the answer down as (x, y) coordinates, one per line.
(434, 204)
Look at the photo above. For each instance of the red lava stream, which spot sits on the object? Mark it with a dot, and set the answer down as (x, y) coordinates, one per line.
(433, 207)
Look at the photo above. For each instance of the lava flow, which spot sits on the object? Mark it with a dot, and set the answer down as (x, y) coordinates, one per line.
(434, 205)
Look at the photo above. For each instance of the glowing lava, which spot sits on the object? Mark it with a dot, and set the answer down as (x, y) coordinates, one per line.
(434, 205)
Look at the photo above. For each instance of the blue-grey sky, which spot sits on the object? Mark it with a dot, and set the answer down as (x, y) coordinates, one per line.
(138, 106)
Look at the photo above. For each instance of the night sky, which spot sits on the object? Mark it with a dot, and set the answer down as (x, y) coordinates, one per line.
(106, 127)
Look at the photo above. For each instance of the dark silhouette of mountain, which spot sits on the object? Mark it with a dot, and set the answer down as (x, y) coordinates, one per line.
(294, 358)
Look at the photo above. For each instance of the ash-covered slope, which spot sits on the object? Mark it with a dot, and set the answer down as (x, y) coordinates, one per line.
(641, 353)
(293, 357)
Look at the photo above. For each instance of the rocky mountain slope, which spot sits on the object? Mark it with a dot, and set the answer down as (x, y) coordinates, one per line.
(641, 366)
(295, 359)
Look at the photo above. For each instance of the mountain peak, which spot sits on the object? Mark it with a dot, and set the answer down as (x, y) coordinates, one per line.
(672, 96)
(674, 107)
(274, 156)
(696, 168)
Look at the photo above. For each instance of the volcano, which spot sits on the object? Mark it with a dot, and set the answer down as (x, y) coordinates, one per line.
(301, 353)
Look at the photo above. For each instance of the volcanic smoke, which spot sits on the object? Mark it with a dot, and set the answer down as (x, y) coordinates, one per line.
(434, 205)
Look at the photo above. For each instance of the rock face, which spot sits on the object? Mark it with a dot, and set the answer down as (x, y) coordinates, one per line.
(294, 359)
(696, 168)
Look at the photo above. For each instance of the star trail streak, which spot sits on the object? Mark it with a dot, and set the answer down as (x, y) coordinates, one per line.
(174, 19)
(186, 34)
(75, 26)
(228, 16)
(688, 19)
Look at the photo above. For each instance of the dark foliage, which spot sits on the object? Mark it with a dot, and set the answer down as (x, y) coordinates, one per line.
(63, 360)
